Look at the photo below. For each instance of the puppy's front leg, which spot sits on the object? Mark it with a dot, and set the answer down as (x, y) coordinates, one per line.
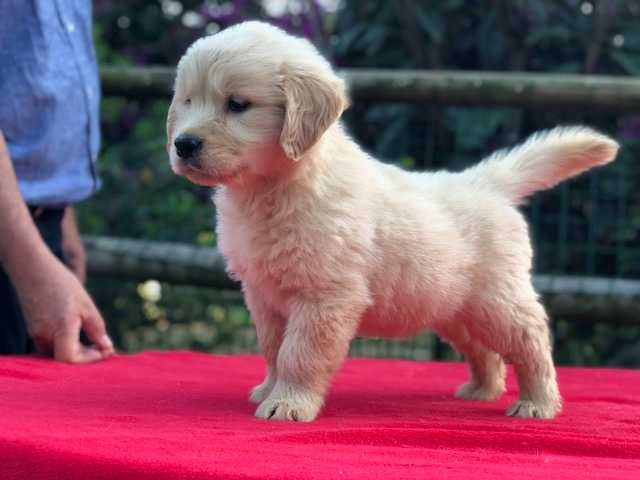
(315, 343)
(269, 330)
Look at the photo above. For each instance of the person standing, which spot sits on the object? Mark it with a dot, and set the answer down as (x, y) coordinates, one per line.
(49, 142)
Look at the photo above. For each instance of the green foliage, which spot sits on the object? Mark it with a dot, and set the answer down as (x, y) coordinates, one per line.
(473, 127)
(590, 226)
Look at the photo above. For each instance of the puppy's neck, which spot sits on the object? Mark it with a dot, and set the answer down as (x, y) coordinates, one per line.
(309, 171)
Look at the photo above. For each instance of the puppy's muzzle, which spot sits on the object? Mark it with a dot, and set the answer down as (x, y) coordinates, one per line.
(188, 147)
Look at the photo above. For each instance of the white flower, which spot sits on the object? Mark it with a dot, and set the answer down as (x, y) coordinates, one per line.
(151, 290)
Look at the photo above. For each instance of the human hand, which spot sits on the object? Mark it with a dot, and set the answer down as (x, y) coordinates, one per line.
(56, 307)
(72, 247)
(54, 303)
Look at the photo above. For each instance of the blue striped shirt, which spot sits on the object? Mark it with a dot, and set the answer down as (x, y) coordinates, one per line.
(49, 98)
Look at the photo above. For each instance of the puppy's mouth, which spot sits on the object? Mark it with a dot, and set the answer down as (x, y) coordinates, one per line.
(203, 177)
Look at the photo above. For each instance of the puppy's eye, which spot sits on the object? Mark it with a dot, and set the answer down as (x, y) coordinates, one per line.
(187, 102)
(235, 105)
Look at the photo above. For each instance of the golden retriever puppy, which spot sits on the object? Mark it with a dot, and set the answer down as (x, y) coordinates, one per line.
(330, 243)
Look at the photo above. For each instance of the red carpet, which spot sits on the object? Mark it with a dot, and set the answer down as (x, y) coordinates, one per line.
(185, 416)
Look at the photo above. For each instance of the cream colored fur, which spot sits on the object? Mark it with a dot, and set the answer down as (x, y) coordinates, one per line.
(330, 243)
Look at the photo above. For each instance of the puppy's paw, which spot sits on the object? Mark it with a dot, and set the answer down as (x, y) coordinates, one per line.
(260, 392)
(472, 391)
(286, 410)
(290, 403)
(531, 409)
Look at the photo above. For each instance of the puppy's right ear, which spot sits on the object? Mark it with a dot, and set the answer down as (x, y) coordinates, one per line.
(315, 99)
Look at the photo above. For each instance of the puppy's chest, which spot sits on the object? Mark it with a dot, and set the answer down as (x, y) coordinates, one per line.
(274, 249)
(248, 248)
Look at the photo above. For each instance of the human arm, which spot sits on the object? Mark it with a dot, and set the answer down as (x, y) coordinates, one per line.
(72, 247)
(54, 303)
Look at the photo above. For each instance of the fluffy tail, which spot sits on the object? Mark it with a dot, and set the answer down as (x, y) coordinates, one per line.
(543, 161)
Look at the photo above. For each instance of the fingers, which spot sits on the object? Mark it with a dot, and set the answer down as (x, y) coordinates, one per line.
(93, 326)
(67, 348)
(43, 346)
(66, 342)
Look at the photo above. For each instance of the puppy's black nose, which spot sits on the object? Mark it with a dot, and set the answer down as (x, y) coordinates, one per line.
(187, 146)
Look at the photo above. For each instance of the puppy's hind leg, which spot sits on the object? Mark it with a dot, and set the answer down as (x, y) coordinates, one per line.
(487, 374)
(487, 368)
(270, 331)
(526, 342)
(531, 357)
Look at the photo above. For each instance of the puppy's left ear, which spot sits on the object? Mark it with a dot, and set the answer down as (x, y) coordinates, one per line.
(314, 101)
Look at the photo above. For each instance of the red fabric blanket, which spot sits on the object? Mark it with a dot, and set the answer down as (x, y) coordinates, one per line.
(183, 415)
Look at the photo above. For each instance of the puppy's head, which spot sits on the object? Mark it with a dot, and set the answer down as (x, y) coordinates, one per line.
(249, 100)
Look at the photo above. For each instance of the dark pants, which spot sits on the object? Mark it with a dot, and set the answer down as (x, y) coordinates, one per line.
(13, 332)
